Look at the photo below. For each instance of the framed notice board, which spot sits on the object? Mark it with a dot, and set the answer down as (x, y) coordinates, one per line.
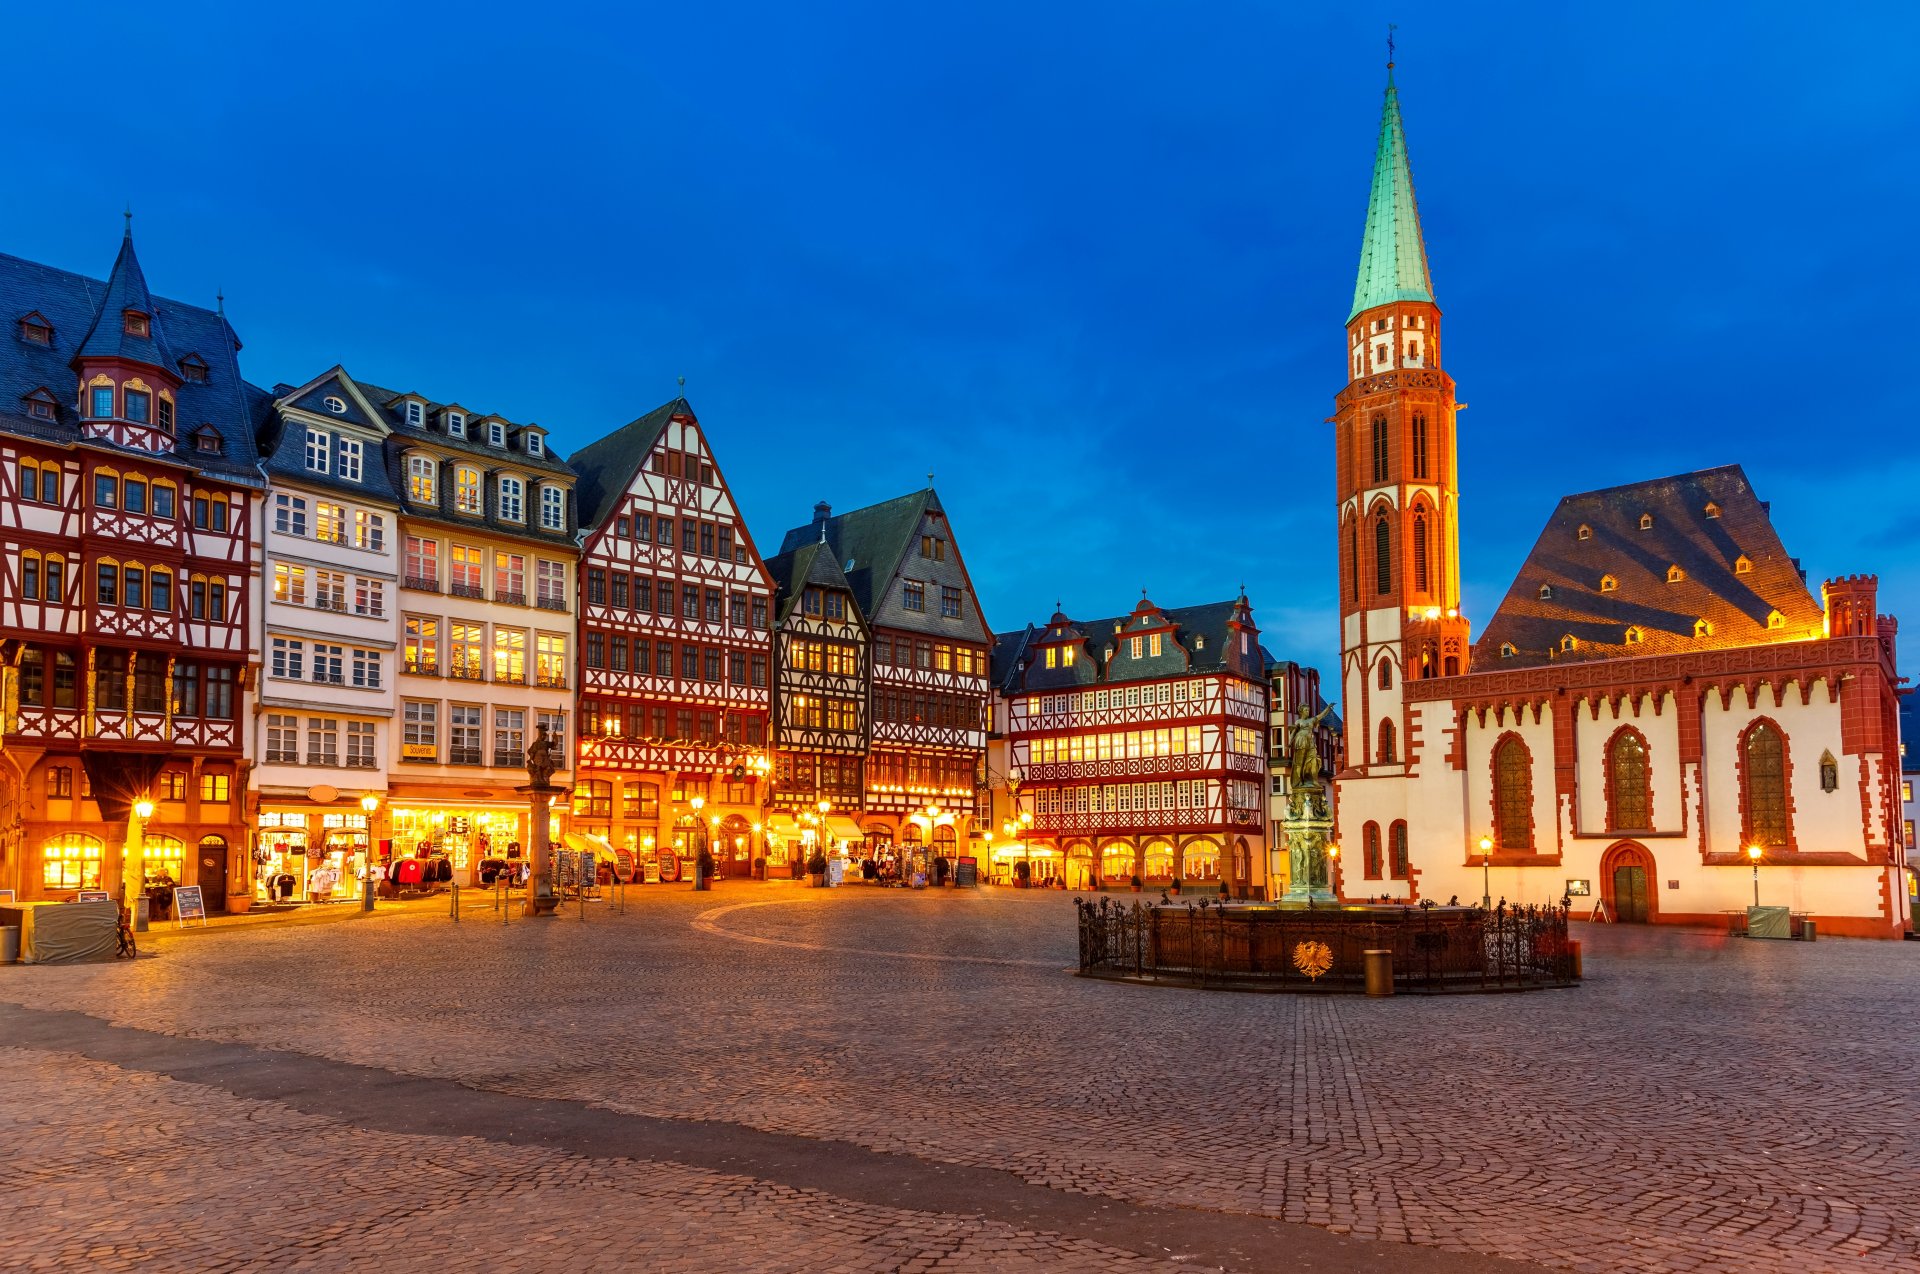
(188, 904)
(966, 873)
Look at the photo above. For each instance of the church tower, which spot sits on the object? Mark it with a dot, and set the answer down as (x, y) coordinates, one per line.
(1397, 486)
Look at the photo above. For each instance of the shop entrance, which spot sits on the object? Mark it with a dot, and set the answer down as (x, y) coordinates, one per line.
(1626, 870)
(213, 872)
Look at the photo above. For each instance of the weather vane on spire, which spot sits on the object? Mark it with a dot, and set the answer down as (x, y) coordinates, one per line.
(1391, 28)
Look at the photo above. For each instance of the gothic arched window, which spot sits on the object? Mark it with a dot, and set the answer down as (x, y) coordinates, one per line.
(1512, 794)
(1629, 801)
(1370, 838)
(1382, 556)
(1764, 784)
(1379, 448)
(1386, 674)
(1353, 556)
(1386, 742)
(1397, 863)
(1419, 446)
(1420, 552)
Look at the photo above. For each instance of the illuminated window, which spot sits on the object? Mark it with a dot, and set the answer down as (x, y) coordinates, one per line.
(1763, 753)
(1513, 795)
(215, 787)
(1609, 584)
(466, 490)
(1675, 575)
(1776, 620)
(420, 480)
(1627, 783)
(71, 861)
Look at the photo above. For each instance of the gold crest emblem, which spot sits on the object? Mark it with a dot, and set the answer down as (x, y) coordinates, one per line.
(1312, 958)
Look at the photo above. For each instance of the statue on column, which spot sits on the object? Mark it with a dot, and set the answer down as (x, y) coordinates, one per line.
(1305, 754)
(540, 762)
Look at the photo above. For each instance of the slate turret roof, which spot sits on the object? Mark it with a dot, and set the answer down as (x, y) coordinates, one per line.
(870, 543)
(1393, 253)
(1645, 592)
(809, 565)
(73, 306)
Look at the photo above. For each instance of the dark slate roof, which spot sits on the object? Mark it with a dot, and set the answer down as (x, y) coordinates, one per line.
(386, 403)
(607, 467)
(127, 290)
(1201, 632)
(1706, 549)
(810, 564)
(869, 543)
(70, 302)
(283, 441)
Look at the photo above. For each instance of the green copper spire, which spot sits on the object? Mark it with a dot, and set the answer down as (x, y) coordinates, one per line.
(1393, 256)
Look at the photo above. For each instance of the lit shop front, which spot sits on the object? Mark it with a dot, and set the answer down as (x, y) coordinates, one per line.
(466, 834)
(303, 855)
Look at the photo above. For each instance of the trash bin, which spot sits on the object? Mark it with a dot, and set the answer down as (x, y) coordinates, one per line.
(9, 944)
(142, 912)
(1807, 931)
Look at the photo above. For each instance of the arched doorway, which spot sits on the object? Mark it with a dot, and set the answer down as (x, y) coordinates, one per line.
(1080, 863)
(211, 874)
(1242, 868)
(733, 854)
(1627, 884)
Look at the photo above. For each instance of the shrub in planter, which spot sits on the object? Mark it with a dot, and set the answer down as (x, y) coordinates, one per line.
(1135, 881)
(1176, 884)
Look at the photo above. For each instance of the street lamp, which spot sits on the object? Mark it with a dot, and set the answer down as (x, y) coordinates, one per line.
(369, 803)
(1753, 855)
(1486, 873)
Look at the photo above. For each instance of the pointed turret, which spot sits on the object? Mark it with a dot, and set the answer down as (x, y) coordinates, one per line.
(126, 325)
(1393, 255)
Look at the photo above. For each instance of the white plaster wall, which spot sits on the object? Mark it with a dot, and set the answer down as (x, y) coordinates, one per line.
(1822, 821)
(1662, 732)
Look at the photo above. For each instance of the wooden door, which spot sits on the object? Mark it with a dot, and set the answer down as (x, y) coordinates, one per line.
(213, 875)
(1630, 894)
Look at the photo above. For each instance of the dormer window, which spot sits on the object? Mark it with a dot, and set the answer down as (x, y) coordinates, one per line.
(1506, 650)
(456, 424)
(466, 490)
(136, 323)
(1675, 575)
(1608, 584)
(139, 406)
(1584, 533)
(1713, 510)
(1635, 636)
(1568, 643)
(1743, 565)
(535, 447)
(40, 409)
(1775, 620)
(207, 439)
(35, 330)
(416, 414)
(496, 433)
(193, 368)
(1646, 521)
(512, 497)
(338, 406)
(1702, 628)
(1546, 592)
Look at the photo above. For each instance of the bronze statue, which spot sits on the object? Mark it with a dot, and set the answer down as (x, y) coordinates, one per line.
(1305, 755)
(540, 759)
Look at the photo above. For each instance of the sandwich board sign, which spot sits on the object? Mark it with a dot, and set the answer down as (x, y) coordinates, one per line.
(188, 904)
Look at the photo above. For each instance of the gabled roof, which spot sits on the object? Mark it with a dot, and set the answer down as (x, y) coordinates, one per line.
(869, 543)
(282, 440)
(810, 565)
(70, 303)
(607, 467)
(107, 336)
(386, 405)
(1202, 632)
(1393, 253)
(1645, 593)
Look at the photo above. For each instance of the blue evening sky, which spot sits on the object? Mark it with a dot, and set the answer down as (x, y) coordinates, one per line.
(1088, 263)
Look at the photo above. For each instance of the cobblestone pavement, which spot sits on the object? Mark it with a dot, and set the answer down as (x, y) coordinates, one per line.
(1701, 1103)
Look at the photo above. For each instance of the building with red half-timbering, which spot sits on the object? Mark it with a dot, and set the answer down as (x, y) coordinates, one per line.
(128, 494)
(1139, 746)
(674, 644)
(1659, 691)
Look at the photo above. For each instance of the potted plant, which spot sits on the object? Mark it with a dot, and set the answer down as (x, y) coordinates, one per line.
(1136, 884)
(1176, 886)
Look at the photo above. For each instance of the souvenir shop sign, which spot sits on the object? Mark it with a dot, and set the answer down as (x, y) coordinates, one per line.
(188, 904)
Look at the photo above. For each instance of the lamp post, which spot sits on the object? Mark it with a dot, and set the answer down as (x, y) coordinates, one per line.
(700, 847)
(1486, 873)
(758, 848)
(370, 803)
(133, 859)
(1753, 855)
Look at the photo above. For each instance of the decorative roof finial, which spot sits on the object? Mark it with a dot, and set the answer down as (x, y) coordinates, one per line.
(129, 216)
(929, 479)
(1391, 28)
(220, 302)
(683, 385)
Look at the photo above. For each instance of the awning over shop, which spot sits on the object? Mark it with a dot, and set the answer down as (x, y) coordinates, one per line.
(580, 842)
(840, 827)
(782, 824)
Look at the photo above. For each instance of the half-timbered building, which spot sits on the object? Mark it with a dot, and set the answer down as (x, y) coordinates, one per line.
(487, 559)
(1137, 746)
(675, 644)
(924, 778)
(323, 733)
(820, 652)
(128, 499)
(1659, 722)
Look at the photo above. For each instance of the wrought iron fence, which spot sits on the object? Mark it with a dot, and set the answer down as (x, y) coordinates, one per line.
(1322, 949)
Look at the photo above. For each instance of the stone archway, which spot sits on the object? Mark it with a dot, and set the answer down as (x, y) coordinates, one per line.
(1629, 883)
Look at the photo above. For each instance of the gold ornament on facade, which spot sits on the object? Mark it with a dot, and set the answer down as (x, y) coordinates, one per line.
(1312, 958)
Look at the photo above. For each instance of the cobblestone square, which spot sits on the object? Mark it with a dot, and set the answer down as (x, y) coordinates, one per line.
(769, 1077)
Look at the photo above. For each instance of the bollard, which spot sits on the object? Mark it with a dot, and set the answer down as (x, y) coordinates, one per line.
(1573, 950)
(453, 907)
(1379, 972)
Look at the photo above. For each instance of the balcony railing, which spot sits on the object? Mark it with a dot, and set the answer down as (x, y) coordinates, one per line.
(463, 756)
(328, 678)
(509, 599)
(361, 763)
(282, 757)
(550, 681)
(421, 585)
(323, 758)
(510, 678)
(474, 591)
(335, 604)
(551, 603)
(509, 758)
(422, 667)
(371, 612)
(330, 537)
(467, 672)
